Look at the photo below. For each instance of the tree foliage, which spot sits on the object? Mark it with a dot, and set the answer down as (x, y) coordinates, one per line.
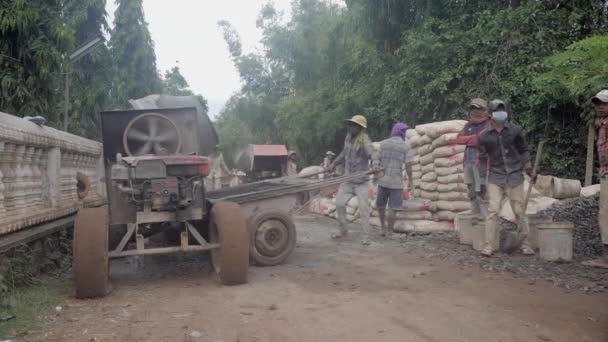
(415, 61)
(36, 36)
(133, 53)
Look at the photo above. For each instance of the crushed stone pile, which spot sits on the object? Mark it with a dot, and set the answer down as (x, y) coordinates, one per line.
(583, 213)
(567, 275)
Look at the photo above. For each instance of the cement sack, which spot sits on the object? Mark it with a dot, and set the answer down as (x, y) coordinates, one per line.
(448, 151)
(416, 215)
(422, 226)
(416, 168)
(417, 174)
(428, 168)
(446, 139)
(454, 160)
(416, 159)
(419, 205)
(455, 206)
(433, 196)
(535, 205)
(566, 188)
(453, 196)
(427, 159)
(429, 186)
(435, 129)
(446, 171)
(419, 140)
(410, 133)
(417, 183)
(322, 206)
(591, 190)
(351, 218)
(416, 193)
(444, 215)
(429, 177)
(351, 210)
(316, 170)
(459, 187)
(454, 178)
(544, 185)
(353, 202)
(425, 149)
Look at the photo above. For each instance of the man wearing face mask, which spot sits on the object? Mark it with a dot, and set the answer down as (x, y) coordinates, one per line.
(504, 148)
(469, 136)
(355, 158)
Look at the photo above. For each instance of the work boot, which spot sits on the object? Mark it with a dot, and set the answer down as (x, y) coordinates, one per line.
(487, 251)
(340, 234)
(527, 250)
(365, 241)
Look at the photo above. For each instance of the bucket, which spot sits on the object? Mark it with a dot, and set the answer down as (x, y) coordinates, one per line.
(534, 220)
(478, 235)
(464, 225)
(566, 188)
(555, 240)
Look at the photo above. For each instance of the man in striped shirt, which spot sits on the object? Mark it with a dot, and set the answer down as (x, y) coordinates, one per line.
(395, 154)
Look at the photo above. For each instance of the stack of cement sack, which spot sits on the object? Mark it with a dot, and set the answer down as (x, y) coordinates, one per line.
(327, 206)
(441, 172)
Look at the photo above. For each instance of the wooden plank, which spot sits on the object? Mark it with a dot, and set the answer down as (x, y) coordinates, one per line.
(34, 233)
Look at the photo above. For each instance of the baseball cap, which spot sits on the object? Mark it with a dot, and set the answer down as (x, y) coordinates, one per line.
(478, 103)
(602, 96)
(497, 104)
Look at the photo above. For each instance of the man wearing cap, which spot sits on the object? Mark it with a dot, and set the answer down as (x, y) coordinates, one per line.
(504, 149)
(469, 136)
(600, 102)
(292, 168)
(355, 158)
(395, 153)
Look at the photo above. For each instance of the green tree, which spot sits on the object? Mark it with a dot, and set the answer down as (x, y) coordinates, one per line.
(33, 40)
(133, 54)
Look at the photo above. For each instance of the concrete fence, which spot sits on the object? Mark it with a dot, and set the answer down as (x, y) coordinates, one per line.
(45, 173)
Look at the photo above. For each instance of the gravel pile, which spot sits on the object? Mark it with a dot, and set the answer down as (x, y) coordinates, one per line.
(568, 275)
(583, 213)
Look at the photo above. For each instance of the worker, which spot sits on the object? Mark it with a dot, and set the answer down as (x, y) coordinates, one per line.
(329, 155)
(478, 123)
(504, 149)
(217, 169)
(395, 153)
(355, 158)
(600, 102)
(292, 169)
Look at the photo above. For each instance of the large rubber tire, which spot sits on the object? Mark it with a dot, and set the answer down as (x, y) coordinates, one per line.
(273, 237)
(228, 227)
(90, 264)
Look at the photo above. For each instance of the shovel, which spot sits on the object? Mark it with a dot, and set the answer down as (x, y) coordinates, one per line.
(514, 241)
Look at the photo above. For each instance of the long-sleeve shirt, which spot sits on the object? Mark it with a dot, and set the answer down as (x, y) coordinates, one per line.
(507, 153)
(355, 159)
(469, 137)
(602, 147)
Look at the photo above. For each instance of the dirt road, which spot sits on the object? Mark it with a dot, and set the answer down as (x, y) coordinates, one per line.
(332, 292)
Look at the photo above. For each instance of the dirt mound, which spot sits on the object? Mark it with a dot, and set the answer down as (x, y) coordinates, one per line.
(583, 213)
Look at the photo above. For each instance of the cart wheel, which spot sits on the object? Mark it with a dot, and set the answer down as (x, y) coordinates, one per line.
(90, 264)
(229, 228)
(273, 237)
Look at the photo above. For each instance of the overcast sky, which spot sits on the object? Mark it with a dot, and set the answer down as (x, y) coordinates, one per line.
(187, 31)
